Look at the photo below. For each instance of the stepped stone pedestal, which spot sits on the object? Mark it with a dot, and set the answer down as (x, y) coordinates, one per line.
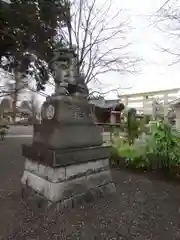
(66, 163)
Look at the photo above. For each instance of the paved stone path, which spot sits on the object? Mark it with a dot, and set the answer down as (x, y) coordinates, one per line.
(142, 208)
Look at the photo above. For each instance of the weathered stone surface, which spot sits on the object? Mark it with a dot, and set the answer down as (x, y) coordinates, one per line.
(51, 191)
(36, 201)
(71, 126)
(71, 186)
(88, 196)
(57, 158)
(48, 173)
(86, 168)
(66, 173)
(55, 192)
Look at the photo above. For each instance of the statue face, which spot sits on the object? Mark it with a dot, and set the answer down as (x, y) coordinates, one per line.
(63, 72)
(56, 71)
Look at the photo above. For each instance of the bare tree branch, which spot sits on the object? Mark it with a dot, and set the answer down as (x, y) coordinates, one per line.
(167, 20)
(107, 92)
(164, 5)
(101, 40)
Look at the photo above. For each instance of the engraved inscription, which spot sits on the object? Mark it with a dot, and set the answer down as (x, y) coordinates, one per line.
(80, 114)
(69, 112)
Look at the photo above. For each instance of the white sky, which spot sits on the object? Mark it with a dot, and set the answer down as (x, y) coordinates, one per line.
(156, 74)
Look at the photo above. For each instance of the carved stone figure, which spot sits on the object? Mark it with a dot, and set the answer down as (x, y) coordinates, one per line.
(67, 153)
(66, 77)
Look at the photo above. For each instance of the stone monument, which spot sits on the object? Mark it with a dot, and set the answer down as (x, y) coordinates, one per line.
(67, 162)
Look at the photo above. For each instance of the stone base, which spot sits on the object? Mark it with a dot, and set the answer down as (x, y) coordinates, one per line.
(57, 158)
(67, 186)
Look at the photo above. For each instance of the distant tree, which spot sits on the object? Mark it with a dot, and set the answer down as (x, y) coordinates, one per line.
(28, 30)
(167, 19)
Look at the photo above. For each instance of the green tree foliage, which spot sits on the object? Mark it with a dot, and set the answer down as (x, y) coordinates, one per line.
(27, 34)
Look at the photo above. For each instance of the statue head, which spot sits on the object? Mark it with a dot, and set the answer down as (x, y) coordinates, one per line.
(64, 70)
(62, 65)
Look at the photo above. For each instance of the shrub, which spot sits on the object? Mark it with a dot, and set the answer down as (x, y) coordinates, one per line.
(167, 145)
(133, 127)
(158, 150)
(117, 144)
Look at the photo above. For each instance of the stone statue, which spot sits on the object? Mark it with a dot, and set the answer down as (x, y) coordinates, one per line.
(67, 153)
(66, 77)
(67, 112)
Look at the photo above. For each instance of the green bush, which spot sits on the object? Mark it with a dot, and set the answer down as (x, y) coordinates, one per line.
(117, 144)
(158, 150)
(137, 155)
(134, 127)
(166, 146)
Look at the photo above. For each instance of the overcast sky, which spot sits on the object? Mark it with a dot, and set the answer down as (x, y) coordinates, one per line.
(156, 74)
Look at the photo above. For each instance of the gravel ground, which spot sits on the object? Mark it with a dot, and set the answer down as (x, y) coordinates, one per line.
(142, 208)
